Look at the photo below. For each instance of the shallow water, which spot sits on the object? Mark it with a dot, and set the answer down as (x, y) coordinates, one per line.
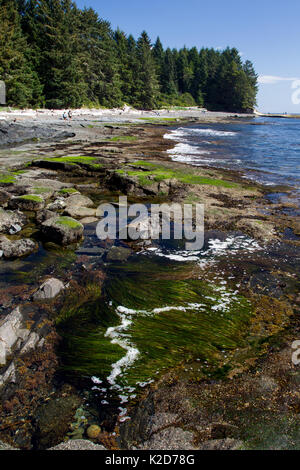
(154, 312)
(266, 149)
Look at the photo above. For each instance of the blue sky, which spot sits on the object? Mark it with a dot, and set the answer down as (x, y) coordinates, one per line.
(264, 31)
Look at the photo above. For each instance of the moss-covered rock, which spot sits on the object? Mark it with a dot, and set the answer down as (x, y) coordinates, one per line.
(62, 230)
(27, 202)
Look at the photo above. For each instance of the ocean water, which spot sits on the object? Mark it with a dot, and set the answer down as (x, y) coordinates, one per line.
(265, 149)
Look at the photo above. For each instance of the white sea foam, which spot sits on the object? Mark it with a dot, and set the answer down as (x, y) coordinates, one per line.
(117, 337)
(187, 149)
(182, 133)
(216, 247)
(211, 132)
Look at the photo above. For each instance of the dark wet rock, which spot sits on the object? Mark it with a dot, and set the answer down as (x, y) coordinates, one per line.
(77, 444)
(44, 214)
(118, 253)
(62, 230)
(49, 289)
(10, 220)
(91, 251)
(222, 430)
(4, 197)
(53, 420)
(16, 248)
(17, 190)
(138, 429)
(55, 165)
(28, 202)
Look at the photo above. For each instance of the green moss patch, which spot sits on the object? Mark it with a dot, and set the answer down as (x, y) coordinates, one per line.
(123, 138)
(68, 191)
(73, 160)
(68, 222)
(6, 178)
(159, 173)
(31, 197)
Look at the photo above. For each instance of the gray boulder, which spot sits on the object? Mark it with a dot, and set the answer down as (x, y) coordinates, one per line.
(49, 289)
(62, 230)
(10, 220)
(16, 248)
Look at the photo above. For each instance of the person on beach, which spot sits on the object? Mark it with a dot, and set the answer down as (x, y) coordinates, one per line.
(65, 116)
(70, 114)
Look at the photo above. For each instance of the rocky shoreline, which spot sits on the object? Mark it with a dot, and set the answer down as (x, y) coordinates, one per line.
(49, 194)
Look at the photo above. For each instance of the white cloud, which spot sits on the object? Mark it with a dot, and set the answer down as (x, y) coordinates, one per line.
(271, 79)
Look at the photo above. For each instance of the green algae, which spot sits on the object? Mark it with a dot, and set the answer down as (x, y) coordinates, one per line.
(6, 178)
(68, 222)
(31, 197)
(68, 191)
(73, 160)
(123, 138)
(158, 173)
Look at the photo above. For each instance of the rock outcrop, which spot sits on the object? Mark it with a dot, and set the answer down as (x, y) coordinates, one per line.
(62, 230)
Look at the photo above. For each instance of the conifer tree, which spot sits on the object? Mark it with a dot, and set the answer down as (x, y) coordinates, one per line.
(146, 92)
(57, 55)
(22, 84)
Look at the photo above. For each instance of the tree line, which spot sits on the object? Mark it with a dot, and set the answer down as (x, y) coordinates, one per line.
(55, 55)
